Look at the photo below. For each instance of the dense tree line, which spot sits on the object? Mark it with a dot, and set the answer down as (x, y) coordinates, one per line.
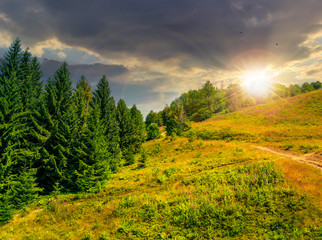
(54, 137)
(199, 105)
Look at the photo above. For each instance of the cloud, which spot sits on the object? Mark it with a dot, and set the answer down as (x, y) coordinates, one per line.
(147, 95)
(167, 47)
(92, 72)
(161, 30)
(314, 71)
(61, 55)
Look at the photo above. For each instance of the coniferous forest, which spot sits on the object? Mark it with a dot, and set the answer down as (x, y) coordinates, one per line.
(56, 138)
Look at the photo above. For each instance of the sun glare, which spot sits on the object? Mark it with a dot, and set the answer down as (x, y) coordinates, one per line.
(256, 82)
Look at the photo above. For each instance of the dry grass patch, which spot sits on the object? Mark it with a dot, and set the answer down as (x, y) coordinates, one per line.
(305, 178)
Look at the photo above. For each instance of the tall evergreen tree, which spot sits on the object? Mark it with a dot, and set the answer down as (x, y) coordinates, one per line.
(59, 93)
(138, 132)
(89, 159)
(103, 99)
(95, 165)
(58, 120)
(12, 59)
(153, 117)
(31, 84)
(124, 120)
(76, 120)
(20, 134)
(82, 100)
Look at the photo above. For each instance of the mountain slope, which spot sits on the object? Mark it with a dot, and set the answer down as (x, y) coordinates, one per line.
(291, 123)
(210, 184)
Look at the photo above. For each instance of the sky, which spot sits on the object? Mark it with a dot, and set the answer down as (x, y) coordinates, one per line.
(154, 50)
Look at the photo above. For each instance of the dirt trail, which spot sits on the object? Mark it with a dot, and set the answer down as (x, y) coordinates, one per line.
(313, 159)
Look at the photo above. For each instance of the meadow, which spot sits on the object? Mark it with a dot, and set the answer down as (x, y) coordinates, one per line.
(212, 183)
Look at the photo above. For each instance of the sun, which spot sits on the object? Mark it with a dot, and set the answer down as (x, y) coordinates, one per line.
(256, 82)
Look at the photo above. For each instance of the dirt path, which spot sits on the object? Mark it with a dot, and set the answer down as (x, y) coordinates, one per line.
(313, 159)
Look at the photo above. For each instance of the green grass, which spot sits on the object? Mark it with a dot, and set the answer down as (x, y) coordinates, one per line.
(294, 121)
(211, 184)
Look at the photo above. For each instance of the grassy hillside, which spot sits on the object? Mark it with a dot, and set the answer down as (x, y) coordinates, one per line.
(211, 184)
(290, 124)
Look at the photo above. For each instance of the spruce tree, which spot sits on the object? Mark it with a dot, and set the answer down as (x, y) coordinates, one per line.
(82, 100)
(125, 128)
(152, 117)
(58, 119)
(20, 134)
(11, 61)
(95, 167)
(138, 132)
(103, 99)
(30, 77)
(59, 93)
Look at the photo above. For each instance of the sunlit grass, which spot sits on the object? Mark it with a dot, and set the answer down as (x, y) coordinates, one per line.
(210, 184)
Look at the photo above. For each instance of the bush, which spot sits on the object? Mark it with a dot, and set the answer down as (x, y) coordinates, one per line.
(153, 131)
(162, 179)
(143, 159)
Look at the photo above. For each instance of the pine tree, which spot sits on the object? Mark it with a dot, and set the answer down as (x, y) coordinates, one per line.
(12, 59)
(82, 100)
(30, 77)
(124, 120)
(95, 167)
(25, 189)
(59, 120)
(152, 117)
(103, 99)
(77, 119)
(20, 134)
(138, 132)
(59, 93)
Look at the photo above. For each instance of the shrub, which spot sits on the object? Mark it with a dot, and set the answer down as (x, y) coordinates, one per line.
(288, 146)
(306, 148)
(143, 159)
(162, 179)
(153, 131)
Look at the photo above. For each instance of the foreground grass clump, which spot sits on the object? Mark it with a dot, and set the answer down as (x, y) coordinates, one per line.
(189, 190)
(252, 201)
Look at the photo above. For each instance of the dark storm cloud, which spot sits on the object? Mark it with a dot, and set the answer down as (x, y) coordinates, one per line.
(164, 47)
(92, 72)
(206, 30)
(142, 94)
